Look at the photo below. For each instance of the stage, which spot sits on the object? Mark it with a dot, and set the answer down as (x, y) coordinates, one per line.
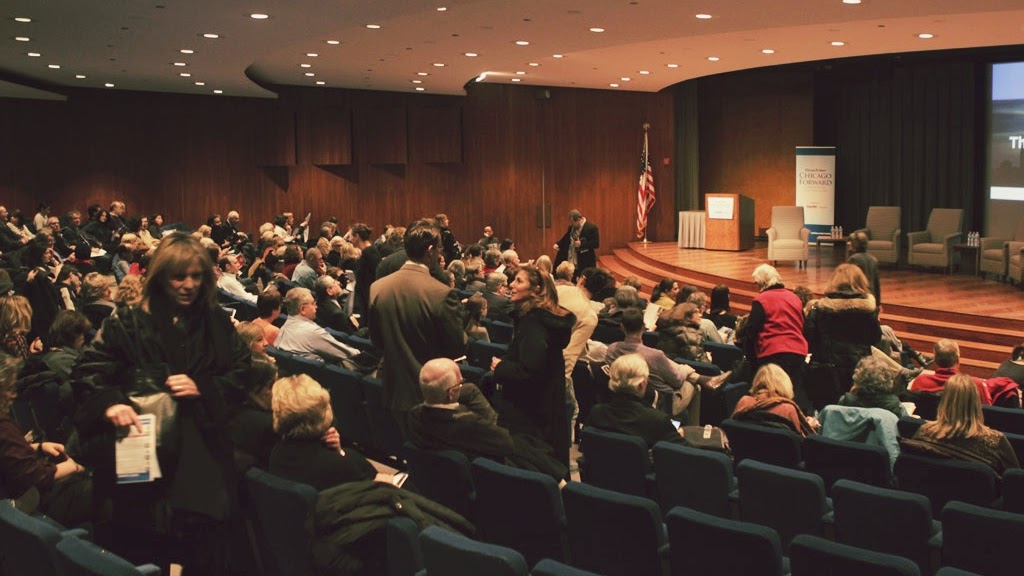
(984, 315)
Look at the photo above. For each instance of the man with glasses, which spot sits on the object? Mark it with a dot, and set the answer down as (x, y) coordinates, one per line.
(303, 336)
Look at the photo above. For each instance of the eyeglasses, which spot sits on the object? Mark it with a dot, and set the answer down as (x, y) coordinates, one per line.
(454, 386)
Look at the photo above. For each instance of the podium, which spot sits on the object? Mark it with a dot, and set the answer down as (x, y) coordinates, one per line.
(730, 222)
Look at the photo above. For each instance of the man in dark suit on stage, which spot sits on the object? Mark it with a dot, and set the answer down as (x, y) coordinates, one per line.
(579, 244)
(859, 257)
(413, 319)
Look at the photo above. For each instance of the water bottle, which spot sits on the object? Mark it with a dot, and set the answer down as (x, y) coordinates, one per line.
(841, 235)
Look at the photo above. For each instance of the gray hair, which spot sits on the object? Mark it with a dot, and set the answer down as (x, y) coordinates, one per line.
(495, 280)
(295, 298)
(628, 373)
(766, 275)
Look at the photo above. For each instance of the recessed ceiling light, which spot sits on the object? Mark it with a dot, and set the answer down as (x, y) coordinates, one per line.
(522, 43)
(34, 54)
(180, 64)
(851, 1)
(420, 88)
(423, 73)
(417, 81)
(259, 16)
(838, 43)
(614, 85)
(312, 54)
(185, 75)
(334, 42)
(472, 54)
(22, 38)
(520, 73)
(713, 58)
(320, 82)
(557, 56)
(80, 76)
(925, 36)
(200, 83)
(22, 19)
(211, 35)
(310, 74)
(595, 29)
(373, 26)
(517, 79)
(645, 71)
(304, 65)
(703, 16)
(672, 65)
(439, 64)
(53, 66)
(218, 91)
(187, 51)
(109, 85)
(625, 78)
(442, 8)
(534, 64)
(767, 51)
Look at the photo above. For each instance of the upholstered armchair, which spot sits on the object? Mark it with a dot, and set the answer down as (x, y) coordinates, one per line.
(787, 238)
(934, 246)
(1015, 262)
(883, 230)
(996, 252)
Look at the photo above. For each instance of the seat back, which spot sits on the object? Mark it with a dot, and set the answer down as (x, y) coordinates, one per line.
(480, 353)
(607, 334)
(725, 356)
(1013, 490)
(449, 554)
(1004, 419)
(944, 221)
(347, 402)
(787, 221)
(697, 479)
(883, 520)
(533, 522)
(981, 540)
(443, 476)
(882, 222)
(614, 461)
(498, 332)
(908, 426)
(946, 479)
(549, 567)
(282, 513)
(766, 444)
(702, 368)
(83, 558)
(835, 459)
(387, 437)
(405, 558)
(29, 543)
(710, 546)
(611, 533)
(790, 501)
(813, 555)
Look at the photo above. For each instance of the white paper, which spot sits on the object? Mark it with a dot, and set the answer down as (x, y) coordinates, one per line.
(720, 207)
(135, 454)
(651, 316)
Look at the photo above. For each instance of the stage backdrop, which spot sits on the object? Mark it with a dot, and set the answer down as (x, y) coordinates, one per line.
(816, 186)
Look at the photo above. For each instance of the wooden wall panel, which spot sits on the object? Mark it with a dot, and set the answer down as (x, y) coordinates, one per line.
(435, 135)
(386, 132)
(330, 136)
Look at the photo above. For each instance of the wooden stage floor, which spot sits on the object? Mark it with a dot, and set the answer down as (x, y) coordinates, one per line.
(932, 289)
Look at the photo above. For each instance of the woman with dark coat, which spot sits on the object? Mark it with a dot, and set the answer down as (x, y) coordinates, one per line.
(841, 327)
(176, 343)
(532, 373)
(97, 227)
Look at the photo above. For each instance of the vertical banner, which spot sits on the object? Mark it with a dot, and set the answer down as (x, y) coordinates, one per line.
(816, 187)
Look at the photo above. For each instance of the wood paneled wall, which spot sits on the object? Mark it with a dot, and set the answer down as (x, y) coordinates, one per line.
(494, 157)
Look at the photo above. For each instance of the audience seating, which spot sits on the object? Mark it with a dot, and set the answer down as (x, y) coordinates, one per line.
(790, 501)
(245, 311)
(350, 415)
(725, 356)
(549, 567)
(927, 403)
(498, 332)
(387, 437)
(713, 546)
(1017, 443)
(443, 476)
(616, 462)
(29, 543)
(763, 443)
(702, 368)
(1004, 419)
(403, 544)
(883, 231)
(982, 540)
(607, 334)
(787, 237)
(995, 252)
(77, 557)
(471, 373)
(650, 338)
(946, 479)
(933, 247)
(480, 353)
(701, 480)
(717, 405)
(885, 520)
(950, 571)
(282, 513)
(449, 554)
(812, 556)
(908, 425)
(614, 534)
(835, 459)
(532, 521)
(1013, 490)
(365, 345)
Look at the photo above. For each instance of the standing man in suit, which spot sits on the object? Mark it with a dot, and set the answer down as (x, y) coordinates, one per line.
(580, 243)
(413, 319)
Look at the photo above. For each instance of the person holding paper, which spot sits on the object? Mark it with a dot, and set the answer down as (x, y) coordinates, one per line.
(177, 356)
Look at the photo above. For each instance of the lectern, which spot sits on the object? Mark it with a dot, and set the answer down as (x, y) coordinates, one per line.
(730, 222)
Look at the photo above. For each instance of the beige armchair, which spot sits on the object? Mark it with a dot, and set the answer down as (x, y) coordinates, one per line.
(883, 230)
(934, 246)
(787, 238)
(996, 252)
(1015, 262)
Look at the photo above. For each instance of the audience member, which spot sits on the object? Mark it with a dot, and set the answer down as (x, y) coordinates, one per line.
(580, 242)
(771, 402)
(488, 238)
(253, 338)
(96, 298)
(366, 268)
(1014, 367)
(708, 330)
(626, 412)
(252, 426)
(947, 365)
(873, 381)
(499, 307)
(868, 264)
(450, 247)
(329, 312)
(311, 268)
(720, 313)
(228, 281)
(475, 308)
(303, 336)
(664, 293)
(129, 291)
(65, 342)
(15, 326)
(268, 308)
(679, 334)
(597, 284)
(572, 299)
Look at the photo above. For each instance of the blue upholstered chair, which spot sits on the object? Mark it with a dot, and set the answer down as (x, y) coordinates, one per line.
(725, 356)
(812, 555)
(698, 479)
(1010, 420)
(449, 554)
(982, 540)
(616, 462)
(908, 426)
(549, 567)
(836, 459)
(29, 544)
(533, 522)
(763, 443)
(711, 546)
(347, 402)
(282, 513)
(945, 479)
(443, 476)
(77, 557)
(405, 558)
(1013, 490)
(480, 353)
(387, 437)
(790, 501)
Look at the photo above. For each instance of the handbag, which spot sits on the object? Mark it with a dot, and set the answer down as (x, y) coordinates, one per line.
(705, 437)
(151, 396)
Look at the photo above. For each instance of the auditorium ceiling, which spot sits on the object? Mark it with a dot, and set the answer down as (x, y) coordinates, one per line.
(439, 46)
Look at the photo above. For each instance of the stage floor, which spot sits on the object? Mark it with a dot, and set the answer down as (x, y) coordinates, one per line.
(931, 289)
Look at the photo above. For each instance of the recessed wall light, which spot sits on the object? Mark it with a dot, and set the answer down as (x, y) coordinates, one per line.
(596, 29)
(211, 35)
(645, 71)
(520, 73)
(522, 43)
(180, 64)
(53, 66)
(851, 1)
(22, 19)
(439, 64)
(423, 73)
(218, 91)
(442, 8)
(187, 51)
(109, 84)
(713, 58)
(517, 79)
(259, 16)
(310, 74)
(22, 38)
(703, 16)
(838, 43)
(672, 65)
(471, 54)
(334, 42)
(373, 26)
(417, 81)
(767, 51)
(34, 54)
(185, 75)
(320, 82)
(304, 65)
(80, 76)
(557, 56)
(420, 88)
(200, 83)
(625, 78)
(925, 36)
(312, 54)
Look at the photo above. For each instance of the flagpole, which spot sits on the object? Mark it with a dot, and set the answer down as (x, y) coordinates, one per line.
(647, 159)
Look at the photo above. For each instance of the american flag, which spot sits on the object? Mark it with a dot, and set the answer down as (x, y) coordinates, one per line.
(645, 190)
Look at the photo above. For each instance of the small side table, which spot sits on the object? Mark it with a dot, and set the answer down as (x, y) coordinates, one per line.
(965, 250)
(831, 240)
